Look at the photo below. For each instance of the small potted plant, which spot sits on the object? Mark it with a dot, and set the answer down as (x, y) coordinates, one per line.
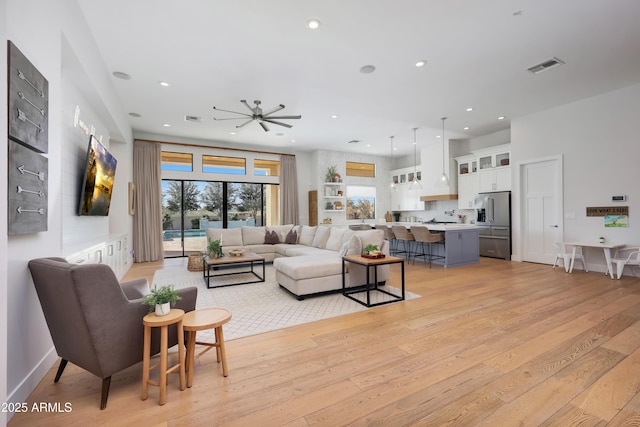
(371, 250)
(214, 249)
(161, 299)
(331, 171)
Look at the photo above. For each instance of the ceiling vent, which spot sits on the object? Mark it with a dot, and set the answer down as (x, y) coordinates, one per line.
(353, 141)
(194, 119)
(545, 65)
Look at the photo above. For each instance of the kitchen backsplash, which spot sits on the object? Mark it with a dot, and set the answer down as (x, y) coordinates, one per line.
(437, 210)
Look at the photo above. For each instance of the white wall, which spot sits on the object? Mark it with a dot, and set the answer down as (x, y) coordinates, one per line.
(53, 28)
(598, 138)
(3, 217)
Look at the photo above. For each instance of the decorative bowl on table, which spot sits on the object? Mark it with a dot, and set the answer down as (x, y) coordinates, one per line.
(236, 252)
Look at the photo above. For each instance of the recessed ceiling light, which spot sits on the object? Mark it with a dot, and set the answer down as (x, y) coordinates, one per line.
(395, 148)
(501, 118)
(470, 109)
(438, 136)
(334, 116)
(293, 140)
(421, 63)
(313, 24)
(135, 115)
(166, 125)
(466, 128)
(121, 75)
(165, 84)
(232, 133)
(368, 145)
(367, 69)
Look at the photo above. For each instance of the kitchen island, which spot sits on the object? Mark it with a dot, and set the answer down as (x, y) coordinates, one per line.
(461, 242)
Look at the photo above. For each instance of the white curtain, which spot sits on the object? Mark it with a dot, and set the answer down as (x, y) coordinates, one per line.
(288, 190)
(147, 219)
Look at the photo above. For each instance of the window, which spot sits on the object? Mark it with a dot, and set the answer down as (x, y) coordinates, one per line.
(176, 161)
(361, 202)
(228, 165)
(266, 167)
(367, 170)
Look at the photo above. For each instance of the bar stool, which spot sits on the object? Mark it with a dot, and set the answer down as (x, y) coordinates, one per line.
(149, 321)
(403, 236)
(422, 235)
(389, 237)
(200, 320)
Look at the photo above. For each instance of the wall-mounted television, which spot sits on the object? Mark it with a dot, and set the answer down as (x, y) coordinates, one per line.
(97, 181)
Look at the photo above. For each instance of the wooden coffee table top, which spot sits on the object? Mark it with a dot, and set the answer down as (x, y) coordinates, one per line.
(225, 260)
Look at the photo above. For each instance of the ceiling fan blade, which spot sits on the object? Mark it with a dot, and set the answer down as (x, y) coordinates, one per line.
(283, 117)
(273, 110)
(244, 124)
(244, 101)
(231, 118)
(276, 123)
(234, 112)
(265, 127)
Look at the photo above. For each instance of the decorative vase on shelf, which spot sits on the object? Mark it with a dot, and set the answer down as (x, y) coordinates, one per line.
(163, 309)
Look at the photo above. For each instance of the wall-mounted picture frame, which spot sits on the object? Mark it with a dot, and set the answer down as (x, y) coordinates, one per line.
(132, 198)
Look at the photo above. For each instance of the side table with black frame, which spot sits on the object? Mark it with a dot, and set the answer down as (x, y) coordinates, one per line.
(369, 286)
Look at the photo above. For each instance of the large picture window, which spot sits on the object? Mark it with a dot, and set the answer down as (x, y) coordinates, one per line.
(361, 202)
(190, 207)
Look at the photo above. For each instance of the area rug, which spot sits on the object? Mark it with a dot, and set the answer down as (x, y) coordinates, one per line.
(261, 307)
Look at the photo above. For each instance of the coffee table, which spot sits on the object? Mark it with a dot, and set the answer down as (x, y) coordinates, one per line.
(213, 264)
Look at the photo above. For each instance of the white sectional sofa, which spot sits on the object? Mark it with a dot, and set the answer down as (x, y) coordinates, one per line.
(313, 264)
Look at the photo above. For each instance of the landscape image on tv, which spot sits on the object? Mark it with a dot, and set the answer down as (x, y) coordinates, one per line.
(97, 185)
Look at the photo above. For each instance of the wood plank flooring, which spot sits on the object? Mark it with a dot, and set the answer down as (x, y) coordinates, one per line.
(497, 344)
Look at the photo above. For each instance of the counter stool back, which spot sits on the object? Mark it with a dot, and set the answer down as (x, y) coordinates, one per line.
(390, 237)
(405, 238)
(422, 235)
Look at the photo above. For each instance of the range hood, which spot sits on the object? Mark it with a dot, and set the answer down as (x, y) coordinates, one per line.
(437, 197)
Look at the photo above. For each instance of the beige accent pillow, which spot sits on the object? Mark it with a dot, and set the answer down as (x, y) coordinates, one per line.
(335, 238)
(253, 235)
(370, 237)
(233, 237)
(306, 235)
(355, 246)
(321, 237)
(214, 234)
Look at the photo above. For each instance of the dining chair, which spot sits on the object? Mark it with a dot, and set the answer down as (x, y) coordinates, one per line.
(565, 252)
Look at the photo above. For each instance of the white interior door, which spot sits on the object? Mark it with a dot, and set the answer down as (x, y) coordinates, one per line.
(541, 186)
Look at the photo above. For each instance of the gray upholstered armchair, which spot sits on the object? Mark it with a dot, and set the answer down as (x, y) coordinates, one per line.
(95, 322)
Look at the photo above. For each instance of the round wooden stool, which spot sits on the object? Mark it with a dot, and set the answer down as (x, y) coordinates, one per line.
(150, 321)
(199, 320)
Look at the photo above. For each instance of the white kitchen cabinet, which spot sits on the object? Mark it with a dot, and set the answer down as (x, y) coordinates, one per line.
(494, 168)
(404, 198)
(467, 181)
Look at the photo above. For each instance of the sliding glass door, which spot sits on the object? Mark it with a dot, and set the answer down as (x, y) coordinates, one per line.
(190, 207)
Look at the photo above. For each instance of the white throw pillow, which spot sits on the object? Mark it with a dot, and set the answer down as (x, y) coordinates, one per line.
(344, 249)
(233, 237)
(214, 234)
(335, 238)
(306, 235)
(253, 235)
(355, 246)
(321, 237)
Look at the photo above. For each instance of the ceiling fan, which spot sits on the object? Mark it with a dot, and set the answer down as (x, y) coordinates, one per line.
(259, 115)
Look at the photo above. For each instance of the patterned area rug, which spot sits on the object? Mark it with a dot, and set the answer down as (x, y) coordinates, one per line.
(261, 307)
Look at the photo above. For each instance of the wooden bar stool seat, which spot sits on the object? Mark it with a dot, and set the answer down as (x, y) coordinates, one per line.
(175, 316)
(200, 320)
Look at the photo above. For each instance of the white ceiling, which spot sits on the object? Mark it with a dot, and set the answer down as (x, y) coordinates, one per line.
(215, 53)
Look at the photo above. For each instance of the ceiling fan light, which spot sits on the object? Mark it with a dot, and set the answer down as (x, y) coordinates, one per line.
(313, 24)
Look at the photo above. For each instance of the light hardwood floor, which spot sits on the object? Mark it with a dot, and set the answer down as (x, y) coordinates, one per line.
(497, 344)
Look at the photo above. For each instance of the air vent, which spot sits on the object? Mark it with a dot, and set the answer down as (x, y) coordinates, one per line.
(545, 65)
(194, 119)
(353, 141)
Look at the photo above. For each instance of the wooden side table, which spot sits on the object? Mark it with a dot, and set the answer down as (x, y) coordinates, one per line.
(163, 322)
(369, 286)
(199, 320)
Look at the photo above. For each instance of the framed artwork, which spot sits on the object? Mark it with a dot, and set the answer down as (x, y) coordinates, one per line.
(132, 198)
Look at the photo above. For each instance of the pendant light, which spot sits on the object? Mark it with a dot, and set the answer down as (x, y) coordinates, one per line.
(444, 179)
(393, 184)
(415, 183)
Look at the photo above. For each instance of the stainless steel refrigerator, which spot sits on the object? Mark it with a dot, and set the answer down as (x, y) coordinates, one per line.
(494, 222)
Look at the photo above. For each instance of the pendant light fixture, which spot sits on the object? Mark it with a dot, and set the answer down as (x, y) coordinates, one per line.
(393, 184)
(415, 183)
(444, 179)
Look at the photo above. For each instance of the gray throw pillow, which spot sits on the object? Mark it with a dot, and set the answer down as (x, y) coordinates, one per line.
(292, 237)
(271, 237)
